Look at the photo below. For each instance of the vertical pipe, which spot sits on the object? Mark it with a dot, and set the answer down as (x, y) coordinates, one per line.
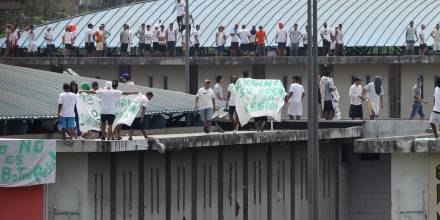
(187, 33)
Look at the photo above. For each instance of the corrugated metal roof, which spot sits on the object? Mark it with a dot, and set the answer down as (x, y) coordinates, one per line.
(366, 22)
(33, 94)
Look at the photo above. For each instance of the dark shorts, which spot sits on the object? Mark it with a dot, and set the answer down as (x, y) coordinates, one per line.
(422, 46)
(282, 45)
(260, 119)
(326, 43)
(90, 47)
(179, 19)
(171, 45)
(147, 46)
(356, 111)
(197, 46)
(234, 45)
(137, 124)
(124, 47)
(155, 46)
(231, 110)
(328, 106)
(141, 46)
(305, 47)
(162, 47)
(68, 46)
(107, 118)
(220, 49)
(244, 47)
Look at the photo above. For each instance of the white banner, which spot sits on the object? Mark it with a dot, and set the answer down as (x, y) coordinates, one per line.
(27, 162)
(129, 114)
(89, 111)
(258, 97)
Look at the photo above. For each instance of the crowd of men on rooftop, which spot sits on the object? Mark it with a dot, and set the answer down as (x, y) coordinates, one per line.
(161, 39)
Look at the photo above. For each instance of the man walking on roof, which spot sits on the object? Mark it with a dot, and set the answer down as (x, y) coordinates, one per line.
(411, 38)
(205, 103)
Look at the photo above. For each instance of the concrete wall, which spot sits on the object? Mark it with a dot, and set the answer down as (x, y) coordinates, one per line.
(408, 186)
(99, 187)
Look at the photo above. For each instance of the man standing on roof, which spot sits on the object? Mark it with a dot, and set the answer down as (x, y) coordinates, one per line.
(191, 22)
(89, 40)
(327, 87)
(326, 41)
(235, 40)
(196, 41)
(436, 36)
(205, 103)
(295, 37)
(106, 35)
(125, 40)
(374, 94)
(218, 89)
(139, 121)
(417, 107)
(67, 39)
(294, 98)
(141, 35)
(261, 40)
(281, 39)
(356, 98)
(156, 40)
(422, 40)
(66, 112)
(180, 12)
(220, 40)
(411, 38)
(99, 36)
(171, 35)
(48, 36)
(244, 40)
(339, 41)
(148, 41)
(230, 103)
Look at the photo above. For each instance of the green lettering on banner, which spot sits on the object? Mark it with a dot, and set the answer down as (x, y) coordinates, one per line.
(26, 144)
(6, 174)
(37, 172)
(3, 148)
(19, 160)
(9, 160)
(38, 146)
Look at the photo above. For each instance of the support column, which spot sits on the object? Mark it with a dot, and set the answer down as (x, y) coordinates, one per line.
(193, 79)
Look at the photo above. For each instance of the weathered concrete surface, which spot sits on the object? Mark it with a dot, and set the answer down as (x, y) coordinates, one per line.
(398, 144)
(391, 128)
(217, 60)
(195, 140)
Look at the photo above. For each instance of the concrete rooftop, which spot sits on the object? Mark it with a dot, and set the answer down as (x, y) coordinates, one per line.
(195, 140)
(398, 144)
(217, 60)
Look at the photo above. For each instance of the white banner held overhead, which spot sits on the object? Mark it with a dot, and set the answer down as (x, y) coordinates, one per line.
(129, 114)
(258, 97)
(27, 162)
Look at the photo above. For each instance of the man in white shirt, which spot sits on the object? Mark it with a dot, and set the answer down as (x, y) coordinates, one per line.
(139, 122)
(356, 99)
(411, 38)
(48, 36)
(205, 103)
(244, 40)
(218, 89)
(294, 98)
(141, 35)
(66, 112)
(89, 40)
(422, 40)
(156, 40)
(109, 97)
(180, 12)
(436, 36)
(326, 40)
(339, 41)
(281, 39)
(230, 103)
(220, 40)
(434, 120)
(67, 39)
(235, 41)
(374, 94)
(148, 41)
(171, 35)
(196, 41)
(295, 37)
(125, 40)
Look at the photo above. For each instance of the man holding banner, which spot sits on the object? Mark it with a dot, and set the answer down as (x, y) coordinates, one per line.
(139, 122)
(109, 97)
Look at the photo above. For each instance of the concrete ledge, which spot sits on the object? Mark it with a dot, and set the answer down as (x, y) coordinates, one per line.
(217, 60)
(398, 144)
(194, 140)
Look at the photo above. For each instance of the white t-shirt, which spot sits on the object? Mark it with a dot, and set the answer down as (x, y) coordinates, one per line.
(436, 99)
(155, 36)
(325, 32)
(220, 41)
(180, 8)
(218, 90)
(422, 36)
(143, 103)
(373, 96)
(340, 37)
(68, 102)
(196, 37)
(232, 97)
(205, 98)
(48, 35)
(86, 36)
(67, 37)
(149, 37)
(295, 36)
(108, 100)
(171, 35)
(281, 36)
(244, 36)
(297, 90)
(306, 39)
(354, 93)
(234, 36)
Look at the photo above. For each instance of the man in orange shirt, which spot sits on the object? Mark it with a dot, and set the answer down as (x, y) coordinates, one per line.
(99, 35)
(261, 39)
